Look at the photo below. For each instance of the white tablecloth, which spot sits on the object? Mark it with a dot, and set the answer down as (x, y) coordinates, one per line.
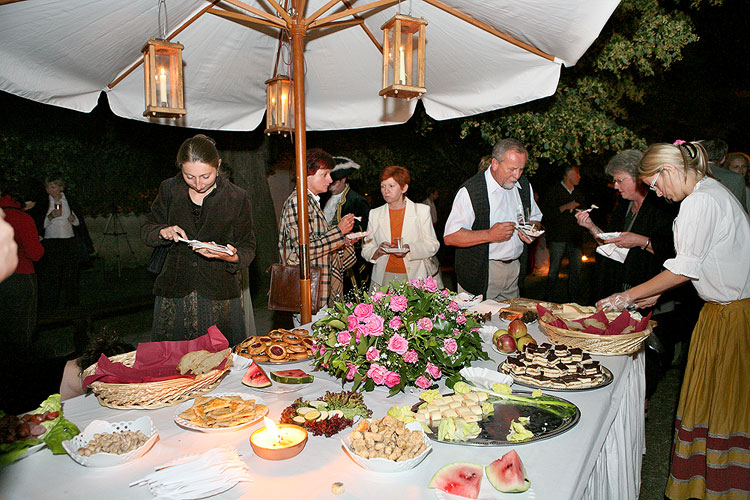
(598, 458)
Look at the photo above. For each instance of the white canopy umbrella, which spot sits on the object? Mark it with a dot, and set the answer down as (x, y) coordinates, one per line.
(481, 55)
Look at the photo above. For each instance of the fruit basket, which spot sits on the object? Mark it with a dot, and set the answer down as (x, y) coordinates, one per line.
(152, 395)
(607, 345)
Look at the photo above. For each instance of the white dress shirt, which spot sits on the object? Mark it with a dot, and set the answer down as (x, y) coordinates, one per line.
(59, 227)
(329, 211)
(505, 206)
(712, 237)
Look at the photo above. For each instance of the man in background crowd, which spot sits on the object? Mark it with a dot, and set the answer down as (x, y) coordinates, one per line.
(717, 153)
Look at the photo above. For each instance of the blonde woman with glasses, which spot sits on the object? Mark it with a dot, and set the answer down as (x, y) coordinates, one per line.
(711, 452)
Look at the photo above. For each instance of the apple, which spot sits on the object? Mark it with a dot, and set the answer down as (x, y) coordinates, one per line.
(506, 344)
(517, 329)
(497, 335)
(522, 342)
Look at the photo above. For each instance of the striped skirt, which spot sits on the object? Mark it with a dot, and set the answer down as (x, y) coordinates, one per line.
(711, 452)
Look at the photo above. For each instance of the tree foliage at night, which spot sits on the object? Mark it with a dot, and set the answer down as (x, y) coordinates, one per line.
(588, 113)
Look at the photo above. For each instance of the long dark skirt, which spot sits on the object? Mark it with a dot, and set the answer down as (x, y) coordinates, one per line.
(18, 301)
(190, 317)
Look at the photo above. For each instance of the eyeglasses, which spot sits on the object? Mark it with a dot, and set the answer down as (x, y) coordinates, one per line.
(620, 180)
(652, 186)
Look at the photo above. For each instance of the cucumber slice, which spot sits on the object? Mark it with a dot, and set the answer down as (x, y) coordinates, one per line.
(312, 415)
(303, 410)
(318, 404)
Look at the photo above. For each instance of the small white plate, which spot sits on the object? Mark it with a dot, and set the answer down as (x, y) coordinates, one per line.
(385, 465)
(529, 230)
(143, 424)
(466, 300)
(395, 250)
(488, 492)
(279, 388)
(607, 236)
(187, 404)
(484, 377)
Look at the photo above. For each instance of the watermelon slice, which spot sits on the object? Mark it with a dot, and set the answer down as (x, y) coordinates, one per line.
(507, 474)
(292, 377)
(459, 478)
(256, 377)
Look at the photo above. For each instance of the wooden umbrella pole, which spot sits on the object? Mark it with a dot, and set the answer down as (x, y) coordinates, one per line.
(297, 35)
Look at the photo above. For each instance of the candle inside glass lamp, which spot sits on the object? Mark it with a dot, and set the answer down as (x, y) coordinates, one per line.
(278, 442)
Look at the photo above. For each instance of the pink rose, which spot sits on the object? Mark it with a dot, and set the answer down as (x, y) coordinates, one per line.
(450, 346)
(445, 293)
(434, 371)
(398, 344)
(353, 322)
(453, 306)
(424, 324)
(352, 371)
(363, 310)
(372, 354)
(460, 318)
(456, 332)
(398, 303)
(377, 373)
(423, 382)
(441, 316)
(395, 322)
(343, 337)
(377, 296)
(374, 325)
(357, 336)
(415, 283)
(411, 356)
(349, 304)
(392, 379)
(430, 284)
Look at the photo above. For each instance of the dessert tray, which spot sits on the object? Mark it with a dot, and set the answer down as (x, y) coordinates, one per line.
(556, 367)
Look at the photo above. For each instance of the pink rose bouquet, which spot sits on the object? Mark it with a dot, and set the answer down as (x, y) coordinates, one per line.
(405, 334)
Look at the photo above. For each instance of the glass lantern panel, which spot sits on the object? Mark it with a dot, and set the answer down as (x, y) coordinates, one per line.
(163, 78)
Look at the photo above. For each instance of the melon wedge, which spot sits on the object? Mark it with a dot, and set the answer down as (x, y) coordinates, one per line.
(292, 377)
(507, 474)
(255, 377)
(459, 478)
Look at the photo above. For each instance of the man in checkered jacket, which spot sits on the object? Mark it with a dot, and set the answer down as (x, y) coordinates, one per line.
(329, 247)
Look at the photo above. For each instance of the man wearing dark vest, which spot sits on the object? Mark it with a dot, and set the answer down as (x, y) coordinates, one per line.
(482, 224)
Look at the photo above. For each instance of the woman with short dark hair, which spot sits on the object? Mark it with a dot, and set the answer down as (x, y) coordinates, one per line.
(402, 239)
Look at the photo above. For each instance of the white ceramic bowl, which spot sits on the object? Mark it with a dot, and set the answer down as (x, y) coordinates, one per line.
(385, 465)
(466, 300)
(484, 377)
(143, 424)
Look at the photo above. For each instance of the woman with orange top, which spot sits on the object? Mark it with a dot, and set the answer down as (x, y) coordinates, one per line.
(402, 240)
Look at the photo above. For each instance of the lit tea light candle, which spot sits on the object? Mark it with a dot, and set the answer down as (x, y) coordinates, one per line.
(278, 442)
(163, 88)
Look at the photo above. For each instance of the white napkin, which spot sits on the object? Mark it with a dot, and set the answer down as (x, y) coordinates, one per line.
(613, 252)
(240, 363)
(197, 476)
(489, 306)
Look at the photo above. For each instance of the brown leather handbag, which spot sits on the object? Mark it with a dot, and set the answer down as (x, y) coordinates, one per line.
(284, 292)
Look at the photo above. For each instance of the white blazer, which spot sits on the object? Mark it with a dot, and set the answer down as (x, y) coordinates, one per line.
(417, 232)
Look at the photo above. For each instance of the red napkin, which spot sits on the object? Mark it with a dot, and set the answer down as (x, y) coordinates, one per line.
(557, 322)
(155, 361)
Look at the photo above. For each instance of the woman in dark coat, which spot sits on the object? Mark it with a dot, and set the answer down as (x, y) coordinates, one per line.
(199, 288)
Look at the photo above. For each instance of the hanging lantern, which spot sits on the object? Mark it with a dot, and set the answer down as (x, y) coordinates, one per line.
(279, 105)
(162, 65)
(403, 57)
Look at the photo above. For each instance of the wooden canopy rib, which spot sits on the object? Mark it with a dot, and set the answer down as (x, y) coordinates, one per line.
(320, 11)
(169, 38)
(351, 12)
(366, 29)
(489, 29)
(260, 13)
(281, 11)
(238, 16)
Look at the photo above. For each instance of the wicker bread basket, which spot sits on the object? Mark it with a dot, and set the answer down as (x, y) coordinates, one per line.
(152, 395)
(607, 345)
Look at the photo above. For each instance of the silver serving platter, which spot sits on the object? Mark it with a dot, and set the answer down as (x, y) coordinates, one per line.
(494, 429)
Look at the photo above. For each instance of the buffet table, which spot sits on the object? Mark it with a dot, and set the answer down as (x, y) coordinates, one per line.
(598, 458)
